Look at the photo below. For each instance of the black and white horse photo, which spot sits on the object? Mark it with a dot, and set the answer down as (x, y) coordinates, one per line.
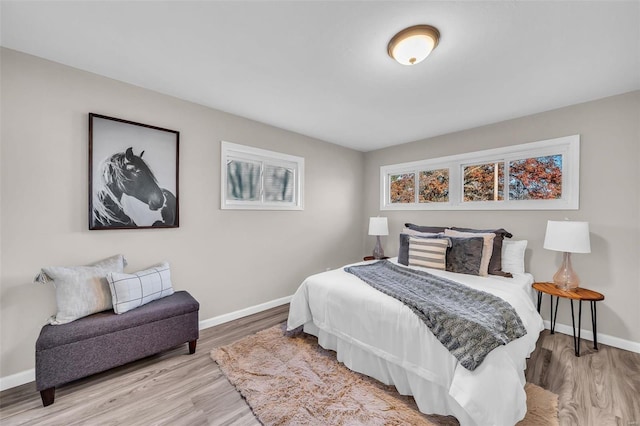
(130, 195)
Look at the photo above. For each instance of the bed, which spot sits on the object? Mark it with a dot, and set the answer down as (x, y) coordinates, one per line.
(379, 336)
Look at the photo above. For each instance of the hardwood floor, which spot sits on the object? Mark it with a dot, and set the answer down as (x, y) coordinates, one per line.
(174, 388)
(599, 388)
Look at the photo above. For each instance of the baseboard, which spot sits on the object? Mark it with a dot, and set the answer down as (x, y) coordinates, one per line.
(30, 375)
(17, 379)
(221, 319)
(616, 342)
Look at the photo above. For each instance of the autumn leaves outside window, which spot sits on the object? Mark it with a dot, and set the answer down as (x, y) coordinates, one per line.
(539, 175)
(538, 178)
(433, 187)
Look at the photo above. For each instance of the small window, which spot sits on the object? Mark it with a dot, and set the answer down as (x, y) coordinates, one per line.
(258, 179)
(434, 186)
(538, 178)
(243, 180)
(403, 188)
(533, 176)
(278, 184)
(484, 182)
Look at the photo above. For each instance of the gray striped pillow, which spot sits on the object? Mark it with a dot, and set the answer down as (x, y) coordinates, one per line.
(428, 252)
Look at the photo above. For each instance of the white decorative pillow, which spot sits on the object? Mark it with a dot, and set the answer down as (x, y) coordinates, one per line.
(487, 247)
(81, 290)
(130, 291)
(410, 231)
(428, 252)
(513, 256)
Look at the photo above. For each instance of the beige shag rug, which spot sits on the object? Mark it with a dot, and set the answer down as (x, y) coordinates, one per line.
(287, 378)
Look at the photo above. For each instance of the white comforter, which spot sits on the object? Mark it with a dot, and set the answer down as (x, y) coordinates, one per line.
(378, 335)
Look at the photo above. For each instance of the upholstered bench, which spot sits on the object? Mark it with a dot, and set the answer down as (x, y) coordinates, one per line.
(105, 340)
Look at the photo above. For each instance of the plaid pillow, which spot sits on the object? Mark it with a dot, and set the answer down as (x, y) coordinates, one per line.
(129, 291)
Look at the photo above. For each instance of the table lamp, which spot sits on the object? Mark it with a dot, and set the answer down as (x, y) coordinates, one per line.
(568, 237)
(378, 226)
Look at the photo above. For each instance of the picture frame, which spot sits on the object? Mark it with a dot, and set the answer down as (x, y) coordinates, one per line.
(127, 191)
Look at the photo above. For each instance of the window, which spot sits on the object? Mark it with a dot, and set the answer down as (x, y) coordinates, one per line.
(434, 186)
(533, 176)
(258, 179)
(538, 178)
(403, 188)
(484, 182)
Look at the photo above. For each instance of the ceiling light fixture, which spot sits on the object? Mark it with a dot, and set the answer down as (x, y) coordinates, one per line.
(412, 45)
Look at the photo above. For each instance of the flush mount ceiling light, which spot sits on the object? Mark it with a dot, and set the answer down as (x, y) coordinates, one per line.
(412, 45)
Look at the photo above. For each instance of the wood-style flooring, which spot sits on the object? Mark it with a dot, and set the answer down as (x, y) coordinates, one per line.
(174, 388)
(596, 389)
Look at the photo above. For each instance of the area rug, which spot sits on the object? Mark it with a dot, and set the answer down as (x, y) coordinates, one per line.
(288, 379)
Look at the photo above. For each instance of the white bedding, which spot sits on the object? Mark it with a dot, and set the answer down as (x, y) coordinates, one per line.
(379, 336)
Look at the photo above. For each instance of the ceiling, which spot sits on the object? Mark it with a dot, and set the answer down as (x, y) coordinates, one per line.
(320, 68)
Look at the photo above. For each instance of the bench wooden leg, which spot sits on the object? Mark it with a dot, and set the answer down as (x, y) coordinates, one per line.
(47, 395)
(192, 346)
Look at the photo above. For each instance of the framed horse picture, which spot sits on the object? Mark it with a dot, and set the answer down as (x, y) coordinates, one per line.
(133, 175)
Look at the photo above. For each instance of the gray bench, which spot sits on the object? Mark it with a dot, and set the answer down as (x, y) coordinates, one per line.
(105, 340)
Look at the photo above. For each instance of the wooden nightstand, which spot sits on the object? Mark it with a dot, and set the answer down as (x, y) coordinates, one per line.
(578, 294)
(373, 258)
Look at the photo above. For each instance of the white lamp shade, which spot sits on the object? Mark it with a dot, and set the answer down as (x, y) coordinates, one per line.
(378, 226)
(567, 236)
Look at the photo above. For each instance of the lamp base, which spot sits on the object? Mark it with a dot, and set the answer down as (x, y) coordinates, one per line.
(566, 278)
(378, 252)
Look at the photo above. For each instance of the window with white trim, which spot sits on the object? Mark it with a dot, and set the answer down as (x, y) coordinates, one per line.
(258, 179)
(540, 175)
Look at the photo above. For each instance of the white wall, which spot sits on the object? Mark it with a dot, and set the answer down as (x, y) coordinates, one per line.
(228, 260)
(609, 201)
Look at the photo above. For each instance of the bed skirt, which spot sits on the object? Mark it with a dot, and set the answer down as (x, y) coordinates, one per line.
(431, 398)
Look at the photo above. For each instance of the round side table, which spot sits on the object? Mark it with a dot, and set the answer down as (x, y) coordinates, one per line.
(578, 294)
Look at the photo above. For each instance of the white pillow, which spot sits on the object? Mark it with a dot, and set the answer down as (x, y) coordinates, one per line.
(130, 291)
(487, 246)
(81, 290)
(513, 256)
(428, 252)
(410, 231)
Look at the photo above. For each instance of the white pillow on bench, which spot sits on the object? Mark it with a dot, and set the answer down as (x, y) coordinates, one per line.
(129, 291)
(81, 290)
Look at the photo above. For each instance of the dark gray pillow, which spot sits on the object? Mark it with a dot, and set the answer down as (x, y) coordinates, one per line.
(403, 251)
(420, 228)
(465, 255)
(495, 264)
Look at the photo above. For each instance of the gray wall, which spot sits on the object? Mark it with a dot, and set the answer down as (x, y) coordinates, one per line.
(609, 200)
(229, 260)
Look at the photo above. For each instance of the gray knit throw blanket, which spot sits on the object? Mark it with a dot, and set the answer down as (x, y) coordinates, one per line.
(468, 322)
